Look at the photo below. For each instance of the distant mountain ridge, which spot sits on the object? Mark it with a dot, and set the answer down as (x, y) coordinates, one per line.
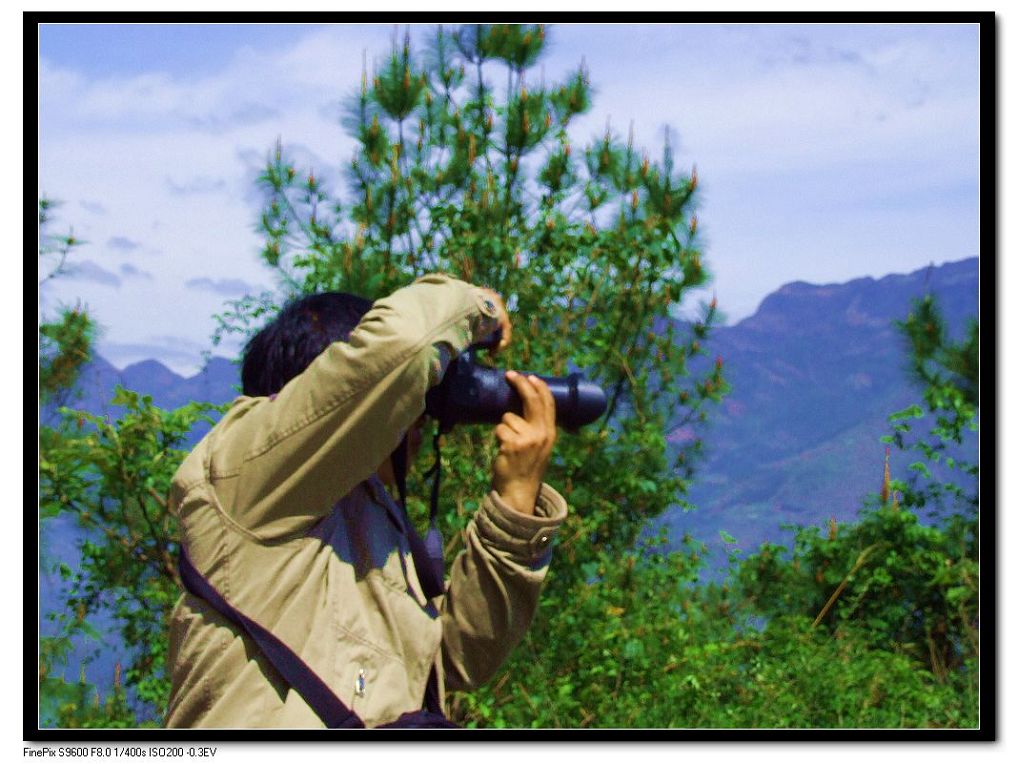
(217, 382)
(815, 373)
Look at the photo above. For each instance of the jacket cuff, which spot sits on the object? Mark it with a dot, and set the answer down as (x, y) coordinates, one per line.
(525, 538)
(486, 321)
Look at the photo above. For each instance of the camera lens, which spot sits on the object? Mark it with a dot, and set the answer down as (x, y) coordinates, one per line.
(474, 394)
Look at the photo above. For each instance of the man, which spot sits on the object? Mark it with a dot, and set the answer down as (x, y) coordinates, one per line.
(283, 511)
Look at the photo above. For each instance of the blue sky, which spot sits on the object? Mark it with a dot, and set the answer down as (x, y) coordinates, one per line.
(825, 152)
(181, 50)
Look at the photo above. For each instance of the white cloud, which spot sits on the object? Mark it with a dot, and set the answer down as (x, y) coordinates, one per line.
(86, 270)
(130, 271)
(201, 184)
(227, 287)
(781, 115)
(94, 207)
(122, 243)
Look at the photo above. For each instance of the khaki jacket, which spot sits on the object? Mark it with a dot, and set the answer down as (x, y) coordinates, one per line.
(334, 580)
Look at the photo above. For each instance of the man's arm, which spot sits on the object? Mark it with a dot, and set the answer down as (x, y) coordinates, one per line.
(280, 463)
(495, 583)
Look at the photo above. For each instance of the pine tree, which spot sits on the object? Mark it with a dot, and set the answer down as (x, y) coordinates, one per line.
(465, 165)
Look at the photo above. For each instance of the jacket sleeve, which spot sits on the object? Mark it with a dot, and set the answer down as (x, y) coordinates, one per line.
(280, 463)
(494, 586)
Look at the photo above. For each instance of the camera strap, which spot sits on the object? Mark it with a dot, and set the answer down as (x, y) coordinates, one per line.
(428, 553)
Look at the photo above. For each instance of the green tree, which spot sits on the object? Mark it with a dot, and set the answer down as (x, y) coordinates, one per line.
(948, 373)
(65, 346)
(591, 249)
(911, 586)
(65, 342)
(465, 165)
(113, 477)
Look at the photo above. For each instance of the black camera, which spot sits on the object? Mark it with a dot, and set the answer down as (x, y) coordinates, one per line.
(474, 394)
(470, 393)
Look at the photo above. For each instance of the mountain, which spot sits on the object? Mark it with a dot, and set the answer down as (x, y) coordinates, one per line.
(815, 373)
(217, 382)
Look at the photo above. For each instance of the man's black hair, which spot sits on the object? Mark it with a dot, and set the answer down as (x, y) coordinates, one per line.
(296, 336)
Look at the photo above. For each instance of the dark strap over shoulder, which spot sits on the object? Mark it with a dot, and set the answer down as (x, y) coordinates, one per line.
(427, 552)
(301, 677)
(296, 672)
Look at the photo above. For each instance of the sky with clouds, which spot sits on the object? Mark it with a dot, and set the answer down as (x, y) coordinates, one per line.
(825, 152)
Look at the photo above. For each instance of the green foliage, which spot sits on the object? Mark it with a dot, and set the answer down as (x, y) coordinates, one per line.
(53, 247)
(645, 643)
(113, 477)
(65, 343)
(65, 346)
(948, 373)
(79, 704)
(910, 587)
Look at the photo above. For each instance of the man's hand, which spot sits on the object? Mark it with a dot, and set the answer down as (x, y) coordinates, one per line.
(525, 444)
